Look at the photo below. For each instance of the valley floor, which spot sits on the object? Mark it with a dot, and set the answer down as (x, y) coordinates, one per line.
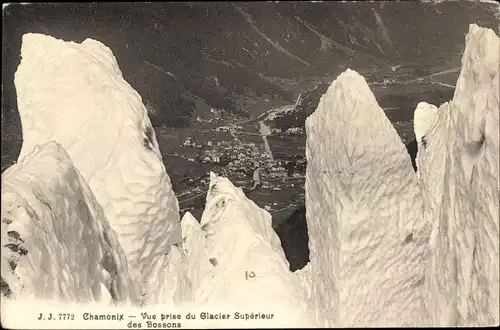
(236, 147)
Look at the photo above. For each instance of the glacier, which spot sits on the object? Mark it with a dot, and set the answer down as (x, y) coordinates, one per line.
(367, 237)
(110, 141)
(394, 248)
(89, 215)
(234, 257)
(458, 169)
(48, 210)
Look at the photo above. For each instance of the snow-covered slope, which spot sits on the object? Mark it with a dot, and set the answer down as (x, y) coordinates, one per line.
(458, 165)
(235, 260)
(75, 95)
(56, 242)
(368, 242)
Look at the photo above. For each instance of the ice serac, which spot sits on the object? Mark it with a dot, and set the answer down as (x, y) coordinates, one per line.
(75, 95)
(424, 118)
(56, 242)
(194, 242)
(459, 174)
(368, 241)
(235, 257)
(180, 268)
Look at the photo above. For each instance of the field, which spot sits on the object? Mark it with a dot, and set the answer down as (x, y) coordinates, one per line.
(251, 138)
(282, 202)
(287, 145)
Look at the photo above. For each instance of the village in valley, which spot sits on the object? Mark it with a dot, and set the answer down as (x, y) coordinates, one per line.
(254, 157)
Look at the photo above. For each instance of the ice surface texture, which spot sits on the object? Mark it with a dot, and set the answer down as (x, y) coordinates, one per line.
(368, 240)
(75, 95)
(389, 247)
(234, 257)
(56, 241)
(458, 170)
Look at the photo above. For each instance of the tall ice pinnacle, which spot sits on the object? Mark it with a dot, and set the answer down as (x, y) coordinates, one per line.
(368, 242)
(459, 174)
(56, 241)
(75, 94)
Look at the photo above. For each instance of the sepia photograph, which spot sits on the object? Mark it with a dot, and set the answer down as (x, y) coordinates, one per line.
(267, 164)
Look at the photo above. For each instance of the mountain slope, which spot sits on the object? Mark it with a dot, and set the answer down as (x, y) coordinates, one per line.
(188, 63)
